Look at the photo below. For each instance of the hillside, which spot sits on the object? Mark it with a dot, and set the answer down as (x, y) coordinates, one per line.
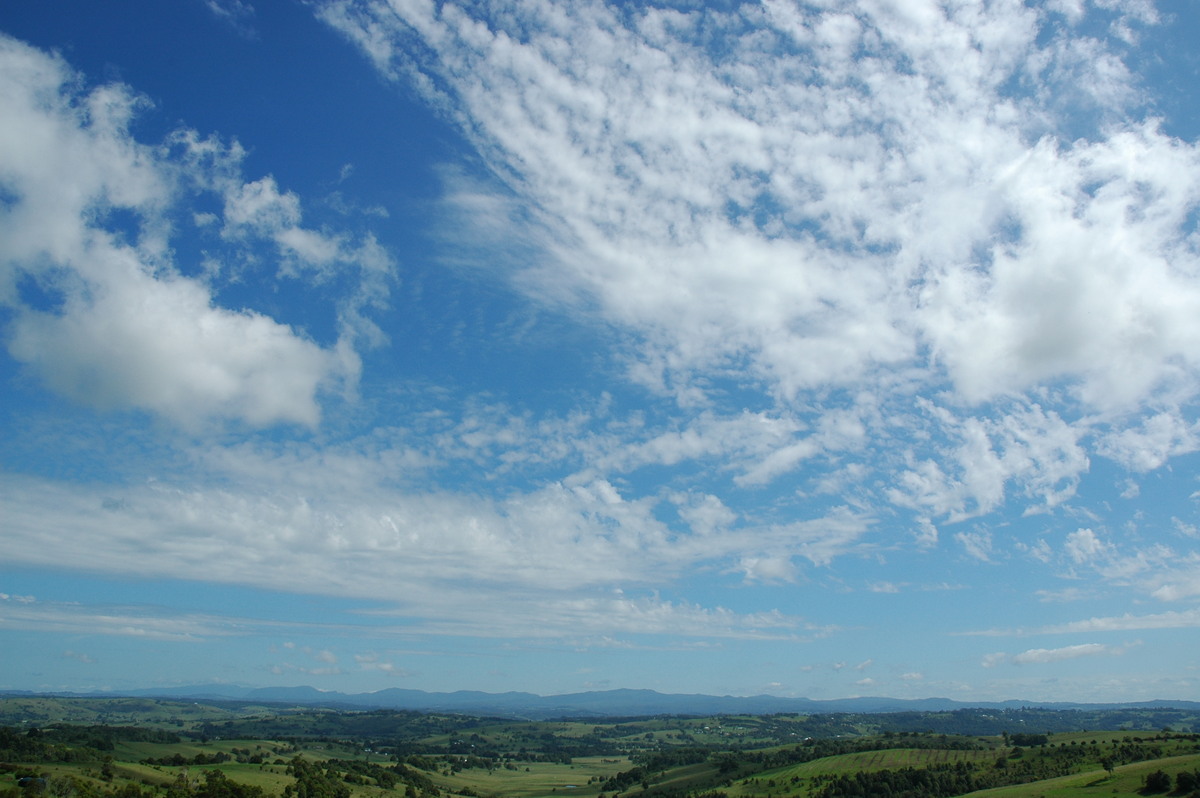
(153, 748)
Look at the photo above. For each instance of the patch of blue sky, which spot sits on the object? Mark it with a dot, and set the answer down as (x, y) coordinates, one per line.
(1171, 68)
(42, 292)
(58, 440)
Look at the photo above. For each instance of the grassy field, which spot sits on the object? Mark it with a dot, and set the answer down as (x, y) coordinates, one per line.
(138, 751)
(1125, 782)
(112, 711)
(793, 779)
(582, 777)
(1082, 737)
(889, 759)
(86, 755)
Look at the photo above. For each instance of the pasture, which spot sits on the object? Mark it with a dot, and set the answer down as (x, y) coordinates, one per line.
(166, 752)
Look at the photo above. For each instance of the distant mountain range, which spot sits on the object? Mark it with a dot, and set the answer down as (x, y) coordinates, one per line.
(599, 704)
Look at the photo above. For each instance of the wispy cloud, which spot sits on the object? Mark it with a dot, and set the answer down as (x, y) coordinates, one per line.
(977, 544)
(713, 190)
(238, 14)
(374, 662)
(688, 191)
(123, 621)
(1173, 619)
(1042, 656)
(510, 616)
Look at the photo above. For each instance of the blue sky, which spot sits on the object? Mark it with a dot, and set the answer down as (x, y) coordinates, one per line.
(818, 349)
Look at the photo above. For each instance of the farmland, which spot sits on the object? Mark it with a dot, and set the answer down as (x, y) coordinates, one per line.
(144, 748)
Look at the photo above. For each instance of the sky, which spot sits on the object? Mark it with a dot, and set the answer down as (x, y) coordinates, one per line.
(831, 348)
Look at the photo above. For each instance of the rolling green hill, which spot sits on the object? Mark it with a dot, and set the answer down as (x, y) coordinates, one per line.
(148, 748)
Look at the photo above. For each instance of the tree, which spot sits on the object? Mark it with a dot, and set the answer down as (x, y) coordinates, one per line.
(1157, 782)
(312, 782)
(217, 785)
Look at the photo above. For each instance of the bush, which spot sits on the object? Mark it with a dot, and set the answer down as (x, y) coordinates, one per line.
(1157, 782)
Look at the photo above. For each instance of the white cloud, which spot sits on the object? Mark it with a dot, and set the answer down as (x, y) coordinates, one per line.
(1044, 655)
(705, 514)
(289, 667)
(133, 339)
(260, 208)
(1039, 551)
(1026, 448)
(121, 621)
(1064, 595)
(527, 566)
(1152, 442)
(542, 616)
(780, 210)
(771, 570)
(1180, 580)
(374, 662)
(1155, 569)
(1173, 619)
(1073, 10)
(236, 13)
(977, 545)
(1084, 547)
(18, 599)
(128, 329)
(1185, 529)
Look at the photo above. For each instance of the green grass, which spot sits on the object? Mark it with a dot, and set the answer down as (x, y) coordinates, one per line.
(888, 759)
(699, 776)
(1125, 782)
(19, 711)
(327, 734)
(844, 764)
(1099, 737)
(137, 751)
(538, 779)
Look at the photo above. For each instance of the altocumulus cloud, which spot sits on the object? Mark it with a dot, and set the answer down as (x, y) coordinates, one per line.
(889, 198)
